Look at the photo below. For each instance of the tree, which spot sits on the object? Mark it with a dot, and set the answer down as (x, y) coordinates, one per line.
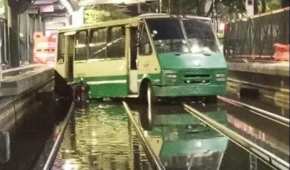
(285, 3)
(199, 7)
(261, 4)
(103, 12)
(193, 7)
(223, 8)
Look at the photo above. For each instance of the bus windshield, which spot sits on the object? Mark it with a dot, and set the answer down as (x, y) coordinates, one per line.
(168, 36)
(200, 36)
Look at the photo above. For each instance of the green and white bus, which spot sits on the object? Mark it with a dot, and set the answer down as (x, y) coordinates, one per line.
(149, 56)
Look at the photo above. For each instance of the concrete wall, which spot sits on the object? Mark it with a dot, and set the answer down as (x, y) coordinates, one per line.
(23, 91)
(269, 80)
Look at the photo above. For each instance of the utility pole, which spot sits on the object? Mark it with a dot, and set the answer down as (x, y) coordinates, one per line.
(160, 6)
(139, 8)
(169, 6)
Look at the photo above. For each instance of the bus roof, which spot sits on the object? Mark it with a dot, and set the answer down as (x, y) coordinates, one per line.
(163, 15)
(132, 20)
(100, 24)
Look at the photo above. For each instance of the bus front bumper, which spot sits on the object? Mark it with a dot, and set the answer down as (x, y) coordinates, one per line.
(189, 90)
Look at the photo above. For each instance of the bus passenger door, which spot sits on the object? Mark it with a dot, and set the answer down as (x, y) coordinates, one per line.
(133, 73)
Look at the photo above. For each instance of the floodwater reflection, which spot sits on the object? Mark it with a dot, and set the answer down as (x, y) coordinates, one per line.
(255, 128)
(183, 142)
(100, 137)
(187, 146)
(97, 138)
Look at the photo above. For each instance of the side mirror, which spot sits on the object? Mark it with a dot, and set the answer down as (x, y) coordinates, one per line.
(154, 33)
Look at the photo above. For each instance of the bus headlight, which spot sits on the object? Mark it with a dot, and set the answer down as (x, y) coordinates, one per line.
(169, 77)
(220, 77)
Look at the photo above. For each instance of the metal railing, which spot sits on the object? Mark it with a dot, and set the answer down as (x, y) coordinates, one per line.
(19, 70)
(254, 37)
(263, 113)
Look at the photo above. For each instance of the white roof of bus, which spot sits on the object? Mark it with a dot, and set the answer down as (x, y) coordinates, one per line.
(161, 15)
(128, 21)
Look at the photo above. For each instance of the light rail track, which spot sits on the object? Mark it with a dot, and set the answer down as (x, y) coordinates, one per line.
(260, 112)
(269, 158)
(53, 153)
(155, 161)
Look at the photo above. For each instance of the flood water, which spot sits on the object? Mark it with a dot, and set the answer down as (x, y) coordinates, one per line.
(187, 144)
(268, 106)
(98, 137)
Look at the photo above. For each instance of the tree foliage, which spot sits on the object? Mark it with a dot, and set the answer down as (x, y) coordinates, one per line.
(219, 7)
(195, 7)
(227, 9)
(104, 12)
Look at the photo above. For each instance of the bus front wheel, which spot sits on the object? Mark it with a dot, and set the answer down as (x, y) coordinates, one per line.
(147, 115)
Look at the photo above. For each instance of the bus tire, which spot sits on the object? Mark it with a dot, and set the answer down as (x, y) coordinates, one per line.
(148, 116)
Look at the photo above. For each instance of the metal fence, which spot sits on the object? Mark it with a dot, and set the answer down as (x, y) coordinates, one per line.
(256, 36)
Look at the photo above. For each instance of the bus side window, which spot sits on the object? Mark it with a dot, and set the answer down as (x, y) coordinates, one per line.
(61, 48)
(116, 42)
(144, 46)
(98, 41)
(81, 51)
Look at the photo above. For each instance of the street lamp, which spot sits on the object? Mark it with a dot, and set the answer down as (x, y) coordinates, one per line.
(160, 6)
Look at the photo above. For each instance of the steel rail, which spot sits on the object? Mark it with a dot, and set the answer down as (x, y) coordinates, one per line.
(154, 158)
(264, 155)
(260, 112)
(58, 141)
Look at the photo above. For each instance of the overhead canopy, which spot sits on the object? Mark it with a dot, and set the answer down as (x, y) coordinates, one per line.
(98, 2)
(19, 5)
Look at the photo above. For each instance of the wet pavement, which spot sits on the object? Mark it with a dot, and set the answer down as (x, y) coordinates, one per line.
(266, 133)
(199, 146)
(270, 135)
(99, 138)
